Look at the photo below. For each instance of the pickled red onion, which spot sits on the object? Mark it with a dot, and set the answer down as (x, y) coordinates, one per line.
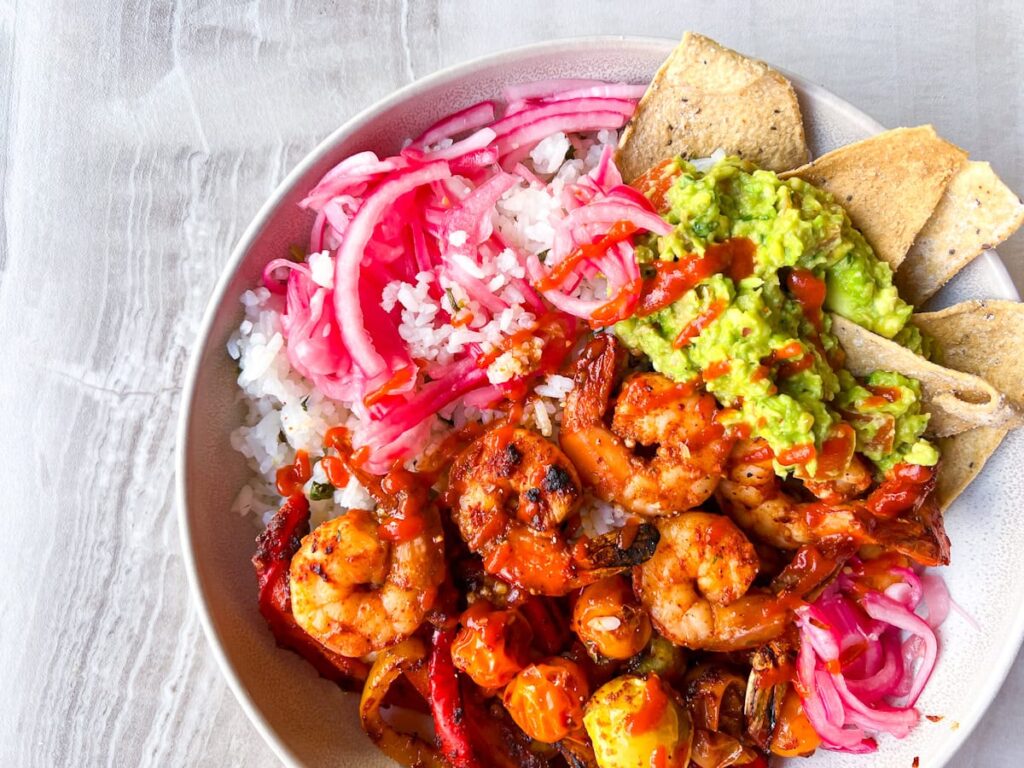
(428, 209)
(856, 674)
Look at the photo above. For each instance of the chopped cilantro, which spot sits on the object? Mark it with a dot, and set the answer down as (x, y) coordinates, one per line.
(452, 301)
(320, 491)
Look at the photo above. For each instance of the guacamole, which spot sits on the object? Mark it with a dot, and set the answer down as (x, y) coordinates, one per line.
(757, 330)
(885, 412)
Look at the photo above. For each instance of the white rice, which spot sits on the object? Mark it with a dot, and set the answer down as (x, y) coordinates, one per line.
(285, 413)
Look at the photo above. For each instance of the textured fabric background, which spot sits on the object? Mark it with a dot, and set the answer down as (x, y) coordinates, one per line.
(136, 141)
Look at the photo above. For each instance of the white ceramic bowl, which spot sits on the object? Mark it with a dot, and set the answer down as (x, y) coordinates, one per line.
(308, 721)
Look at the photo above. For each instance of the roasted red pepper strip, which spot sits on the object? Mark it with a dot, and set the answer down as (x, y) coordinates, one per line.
(274, 550)
(550, 633)
(494, 734)
(446, 704)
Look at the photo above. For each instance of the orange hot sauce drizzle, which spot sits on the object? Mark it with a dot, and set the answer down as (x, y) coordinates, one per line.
(620, 230)
(734, 257)
(398, 381)
(809, 291)
(904, 487)
(651, 709)
(694, 327)
(290, 479)
(655, 182)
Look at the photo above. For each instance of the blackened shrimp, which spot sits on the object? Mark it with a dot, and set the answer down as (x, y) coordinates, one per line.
(662, 452)
(513, 495)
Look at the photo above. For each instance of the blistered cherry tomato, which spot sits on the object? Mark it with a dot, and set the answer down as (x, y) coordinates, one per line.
(610, 621)
(546, 699)
(492, 645)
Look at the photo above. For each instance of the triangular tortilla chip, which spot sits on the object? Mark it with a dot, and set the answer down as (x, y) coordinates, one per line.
(957, 401)
(984, 338)
(707, 97)
(889, 184)
(963, 456)
(976, 212)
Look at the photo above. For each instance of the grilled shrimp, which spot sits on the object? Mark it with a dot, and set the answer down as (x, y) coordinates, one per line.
(652, 411)
(511, 493)
(753, 496)
(356, 591)
(695, 586)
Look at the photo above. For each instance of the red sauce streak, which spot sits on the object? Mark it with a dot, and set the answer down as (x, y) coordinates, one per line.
(672, 279)
(404, 520)
(655, 183)
(651, 709)
(462, 318)
(716, 369)
(620, 230)
(335, 470)
(798, 454)
(400, 528)
(360, 456)
(904, 488)
(290, 479)
(659, 757)
(398, 381)
(793, 368)
(809, 291)
(338, 438)
(836, 450)
(788, 352)
(739, 431)
(881, 396)
(694, 328)
(670, 395)
(618, 308)
(769, 678)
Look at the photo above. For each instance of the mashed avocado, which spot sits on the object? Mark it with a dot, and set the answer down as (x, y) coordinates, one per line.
(758, 334)
(885, 412)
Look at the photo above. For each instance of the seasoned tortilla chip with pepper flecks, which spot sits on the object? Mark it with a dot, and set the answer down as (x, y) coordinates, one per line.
(889, 184)
(984, 338)
(957, 401)
(707, 97)
(963, 457)
(976, 212)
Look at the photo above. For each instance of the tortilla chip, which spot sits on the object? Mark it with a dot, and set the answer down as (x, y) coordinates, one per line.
(963, 457)
(985, 338)
(706, 97)
(957, 401)
(976, 212)
(889, 184)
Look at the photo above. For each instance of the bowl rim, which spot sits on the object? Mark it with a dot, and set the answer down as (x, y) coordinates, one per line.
(255, 229)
